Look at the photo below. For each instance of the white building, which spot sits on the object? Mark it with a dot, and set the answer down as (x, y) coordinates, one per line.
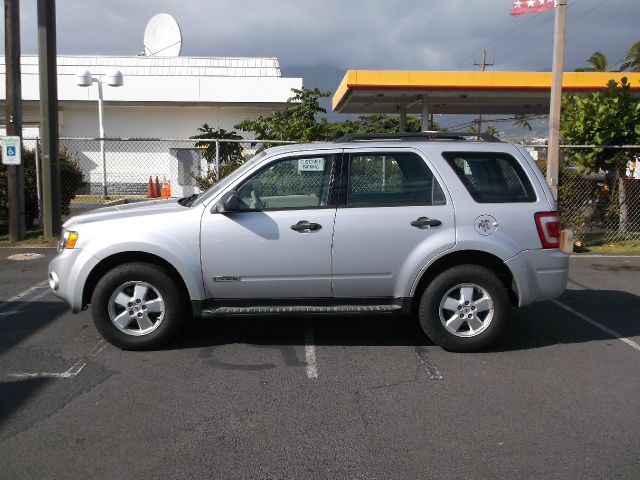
(162, 97)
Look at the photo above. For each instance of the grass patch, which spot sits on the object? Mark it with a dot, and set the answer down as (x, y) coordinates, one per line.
(598, 244)
(99, 200)
(33, 237)
(618, 247)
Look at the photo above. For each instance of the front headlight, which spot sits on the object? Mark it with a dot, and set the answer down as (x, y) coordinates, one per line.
(68, 239)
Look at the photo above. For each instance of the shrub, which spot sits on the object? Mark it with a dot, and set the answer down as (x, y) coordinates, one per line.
(71, 179)
(581, 202)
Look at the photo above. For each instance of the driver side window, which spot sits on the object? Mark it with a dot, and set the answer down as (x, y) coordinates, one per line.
(300, 182)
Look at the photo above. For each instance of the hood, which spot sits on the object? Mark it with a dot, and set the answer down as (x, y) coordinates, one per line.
(151, 207)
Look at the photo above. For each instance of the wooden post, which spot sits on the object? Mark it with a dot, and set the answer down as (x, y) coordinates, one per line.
(13, 116)
(51, 203)
(553, 157)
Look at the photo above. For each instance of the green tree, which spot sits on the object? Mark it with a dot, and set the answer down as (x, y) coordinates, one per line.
(597, 63)
(297, 122)
(609, 117)
(230, 154)
(521, 120)
(375, 123)
(631, 59)
(302, 121)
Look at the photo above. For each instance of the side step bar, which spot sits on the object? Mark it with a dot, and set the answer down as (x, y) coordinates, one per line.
(302, 309)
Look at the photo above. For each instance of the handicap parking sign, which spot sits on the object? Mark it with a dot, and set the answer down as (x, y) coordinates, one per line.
(11, 153)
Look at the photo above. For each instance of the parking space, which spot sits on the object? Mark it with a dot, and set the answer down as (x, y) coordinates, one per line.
(325, 397)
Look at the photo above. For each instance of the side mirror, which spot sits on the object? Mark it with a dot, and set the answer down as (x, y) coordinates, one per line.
(228, 203)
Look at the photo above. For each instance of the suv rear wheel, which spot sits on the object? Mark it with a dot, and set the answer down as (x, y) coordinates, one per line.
(137, 306)
(464, 309)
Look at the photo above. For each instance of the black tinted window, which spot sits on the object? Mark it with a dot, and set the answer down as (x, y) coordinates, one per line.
(391, 179)
(491, 177)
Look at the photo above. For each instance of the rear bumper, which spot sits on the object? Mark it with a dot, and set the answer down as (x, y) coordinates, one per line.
(539, 274)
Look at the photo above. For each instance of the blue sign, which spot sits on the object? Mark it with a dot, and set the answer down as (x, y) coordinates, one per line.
(11, 151)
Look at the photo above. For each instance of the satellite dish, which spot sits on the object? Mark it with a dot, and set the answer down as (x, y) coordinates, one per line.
(162, 36)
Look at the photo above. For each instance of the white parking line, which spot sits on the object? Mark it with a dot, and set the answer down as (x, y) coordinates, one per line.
(24, 303)
(590, 320)
(73, 371)
(310, 353)
(585, 255)
(431, 368)
(24, 293)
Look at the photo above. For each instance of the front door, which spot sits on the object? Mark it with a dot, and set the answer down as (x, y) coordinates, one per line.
(278, 245)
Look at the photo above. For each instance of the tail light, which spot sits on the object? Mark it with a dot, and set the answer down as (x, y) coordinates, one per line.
(548, 224)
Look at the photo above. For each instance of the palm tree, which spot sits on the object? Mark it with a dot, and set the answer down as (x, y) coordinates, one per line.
(491, 130)
(597, 63)
(522, 120)
(631, 59)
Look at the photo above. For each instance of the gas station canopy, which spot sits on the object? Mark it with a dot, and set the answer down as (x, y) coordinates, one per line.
(462, 92)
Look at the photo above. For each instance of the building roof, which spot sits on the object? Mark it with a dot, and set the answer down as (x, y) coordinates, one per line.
(194, 81)
(462, 92)
(158, 66)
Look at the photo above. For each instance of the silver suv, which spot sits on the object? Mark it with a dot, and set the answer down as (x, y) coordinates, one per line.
(449, 228)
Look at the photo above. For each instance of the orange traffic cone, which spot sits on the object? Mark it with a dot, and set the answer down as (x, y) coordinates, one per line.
(156, 191)
(164, 192)
(151, 188)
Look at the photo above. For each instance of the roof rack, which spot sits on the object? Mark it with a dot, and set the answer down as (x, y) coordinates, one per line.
(429, 136)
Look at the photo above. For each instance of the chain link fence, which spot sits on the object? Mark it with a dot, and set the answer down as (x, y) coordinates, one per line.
(123, 170)
(600, 208)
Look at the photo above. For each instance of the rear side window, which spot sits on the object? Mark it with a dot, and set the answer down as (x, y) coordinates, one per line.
(491, 177)
(391, 179)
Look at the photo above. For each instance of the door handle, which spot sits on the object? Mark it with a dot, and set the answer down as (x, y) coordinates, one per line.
(426, 222)
(305, 226)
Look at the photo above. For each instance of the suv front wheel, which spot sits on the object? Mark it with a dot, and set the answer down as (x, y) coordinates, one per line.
(464, 309)
(137, 306)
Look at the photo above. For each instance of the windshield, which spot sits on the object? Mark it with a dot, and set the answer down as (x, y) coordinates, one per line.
(229, 179)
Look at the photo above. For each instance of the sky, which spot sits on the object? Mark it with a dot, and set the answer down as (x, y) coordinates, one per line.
(320, 40)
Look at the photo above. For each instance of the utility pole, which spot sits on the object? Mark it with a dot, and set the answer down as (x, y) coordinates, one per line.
(553, 157)
(13, 116)
(51, 215)
(483, 66)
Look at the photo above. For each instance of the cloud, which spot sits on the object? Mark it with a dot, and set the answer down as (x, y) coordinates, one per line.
(412, 34)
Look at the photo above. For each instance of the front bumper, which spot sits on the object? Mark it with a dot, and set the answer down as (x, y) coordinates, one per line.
(539, 274)
(68, 272)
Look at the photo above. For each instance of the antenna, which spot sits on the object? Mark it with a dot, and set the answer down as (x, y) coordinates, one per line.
(162, 37)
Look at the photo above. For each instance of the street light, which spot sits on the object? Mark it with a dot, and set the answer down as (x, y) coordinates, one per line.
(113, 79)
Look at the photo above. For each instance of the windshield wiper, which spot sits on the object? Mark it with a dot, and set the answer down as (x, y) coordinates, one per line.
(188, 201)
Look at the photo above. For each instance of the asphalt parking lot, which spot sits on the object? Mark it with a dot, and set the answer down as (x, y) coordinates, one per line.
(324, 397)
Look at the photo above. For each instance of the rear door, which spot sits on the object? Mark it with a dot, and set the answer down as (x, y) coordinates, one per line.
(393, 217)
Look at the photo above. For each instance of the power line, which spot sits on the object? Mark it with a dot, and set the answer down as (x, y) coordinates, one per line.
(518, 27)
(598, 5)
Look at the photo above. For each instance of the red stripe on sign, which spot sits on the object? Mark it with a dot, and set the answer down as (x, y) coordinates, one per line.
(530, 6)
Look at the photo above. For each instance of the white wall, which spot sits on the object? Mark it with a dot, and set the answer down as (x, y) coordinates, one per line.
(169, 89)
(151, 121)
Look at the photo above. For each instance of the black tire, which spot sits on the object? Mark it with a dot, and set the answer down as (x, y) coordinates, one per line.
(464, 340)
(173, 314)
